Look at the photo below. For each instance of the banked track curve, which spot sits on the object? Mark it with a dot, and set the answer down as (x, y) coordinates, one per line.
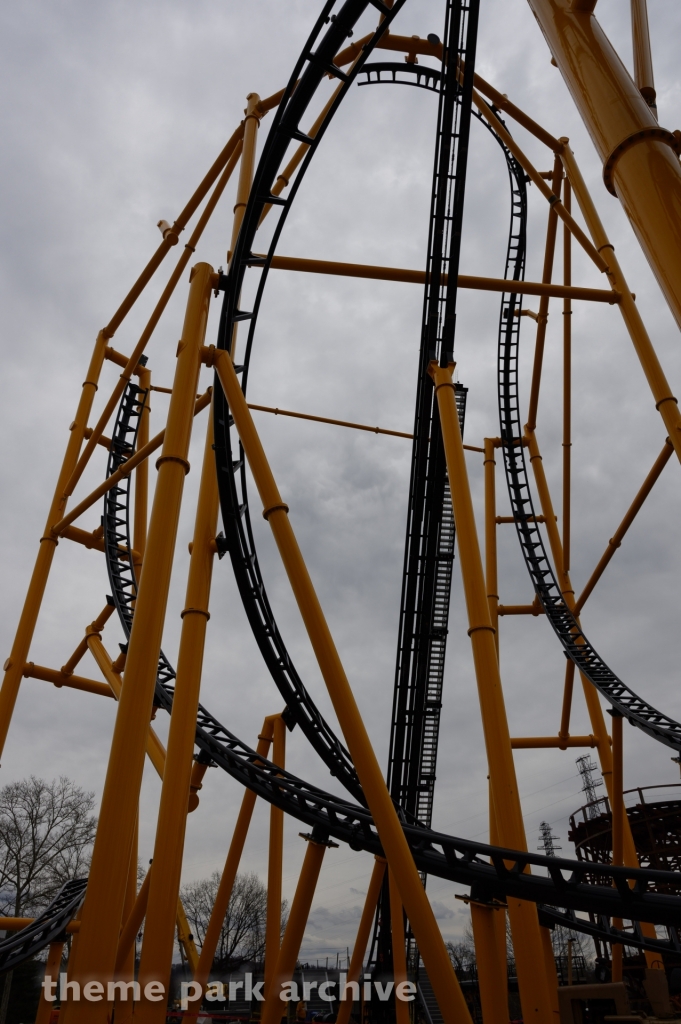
(491, 872)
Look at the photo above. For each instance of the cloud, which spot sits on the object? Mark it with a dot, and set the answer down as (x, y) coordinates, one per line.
(442, 912)
(113, 112)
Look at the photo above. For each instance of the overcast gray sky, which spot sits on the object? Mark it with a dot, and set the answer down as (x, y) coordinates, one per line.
(112, 113)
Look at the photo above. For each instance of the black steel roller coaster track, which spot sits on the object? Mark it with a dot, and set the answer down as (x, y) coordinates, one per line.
(314, 64)
(493, 873)
(430, 533)
(49, 927)
(577, 647)
(566, 627)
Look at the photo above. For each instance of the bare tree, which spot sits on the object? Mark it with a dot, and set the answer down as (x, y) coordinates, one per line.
(242, 935)
(462, 953)
(46, 835)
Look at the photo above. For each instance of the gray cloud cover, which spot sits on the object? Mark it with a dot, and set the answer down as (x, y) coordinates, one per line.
(112, 113)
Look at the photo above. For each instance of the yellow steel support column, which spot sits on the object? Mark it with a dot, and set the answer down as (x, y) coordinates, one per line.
(132, 925)
(275, 862)
(139, 531)
(232, 151)
(157, 947)
(640, 164)
(127, 971)
(273, 1009)
(591, 696)
(617, 822)
(426, 932)
(52, 967)
(567, 381)
(499, 918)
(251, 124)
(363, 933)
(399, 948)
(533, 984)
(550, 968)
(224, 893)
(246, 171)
(491, 578)
(643, 58)
(102, 912)
(491, 970)
(665, 402)
(631, 513)
(543, 314)
(14, 665)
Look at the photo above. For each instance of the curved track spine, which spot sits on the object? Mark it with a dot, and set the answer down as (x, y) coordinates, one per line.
(48, 927)
(303, 85)
(490, 870)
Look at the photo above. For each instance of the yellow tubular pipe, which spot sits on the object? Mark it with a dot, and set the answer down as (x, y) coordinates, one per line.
(543, 314)
(295, 929)
(170, 238)
(491, 538)
(139, 531)
(665, 402)
(591, 696)
(52, 968)
(102, 911)
(550, 968)
(275, 863)
(533, 985)
(564, 730)
(15, 924)
(499, 916)
(95, 627)
(562, 742)
(140, 455)
(127, 971)
(251, 124)
(411, 45)
(155, 749)
(643, 58)
(567, 382)
(486, 284)
(14, 665)
(491, 968)
(363, 933)
(619, 534)
(157, 947)
(175, 277)
(617, 823)
(399, 948)
(59, 679)
(133, 923)
(538, 180)
(185, 937)
(447, 991)
(639, 159)
(229, 872)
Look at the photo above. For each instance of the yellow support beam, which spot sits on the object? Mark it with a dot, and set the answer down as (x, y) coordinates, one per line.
(445, 984)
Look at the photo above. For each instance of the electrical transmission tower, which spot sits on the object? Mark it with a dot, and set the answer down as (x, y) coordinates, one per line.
(586, 768)
(547, 841)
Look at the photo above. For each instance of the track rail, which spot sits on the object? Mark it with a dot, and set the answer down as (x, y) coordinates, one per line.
(430, 532)
(315, 62)
(492, 872)
(46, 928)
